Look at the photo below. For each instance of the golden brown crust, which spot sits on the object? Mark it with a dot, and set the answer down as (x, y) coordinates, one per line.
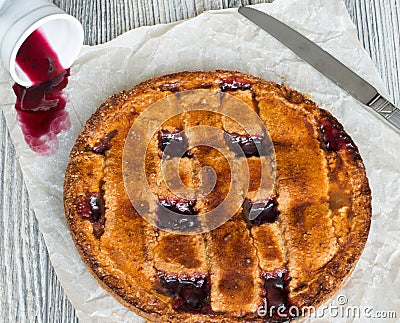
(323, 195)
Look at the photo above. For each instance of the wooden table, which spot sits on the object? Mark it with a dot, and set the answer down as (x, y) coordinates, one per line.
(29, 290)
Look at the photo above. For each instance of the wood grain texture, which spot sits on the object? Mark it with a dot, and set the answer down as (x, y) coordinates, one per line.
(29, 290)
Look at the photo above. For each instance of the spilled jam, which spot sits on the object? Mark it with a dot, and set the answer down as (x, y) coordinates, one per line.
(37, 59)
(41, 108)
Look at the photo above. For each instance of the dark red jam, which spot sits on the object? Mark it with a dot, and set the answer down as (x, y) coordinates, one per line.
(190, 293)
(234, 84)
(275, 286)
(250, 145)
(261, 211)
(173, 143)
(177, 214)
(179, 205)
(104, 143)
(41, 108)
(41, 113)
(172, 87)
(276, 295)
(91, 207)
(335, 138)
(37, 58)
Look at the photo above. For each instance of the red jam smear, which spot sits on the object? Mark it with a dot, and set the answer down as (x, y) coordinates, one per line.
(261, 211)
(234, 83)
(190, 293)
(91, 207)
(41, 108)
(335, 138)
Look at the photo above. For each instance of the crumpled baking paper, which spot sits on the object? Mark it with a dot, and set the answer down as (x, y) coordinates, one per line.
(224, 40)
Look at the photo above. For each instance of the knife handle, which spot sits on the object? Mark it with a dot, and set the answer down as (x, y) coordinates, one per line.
(387, 110)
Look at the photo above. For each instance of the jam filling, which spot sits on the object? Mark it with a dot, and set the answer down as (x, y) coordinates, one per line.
(335, 138)
(250, 145)
(172, 87)
(179, 205)
(276, 292)
(91, 207)
(104, 143)
(261, 211)
(235, 83)
(174, 144)
(190, 293)
(183, 216)
(275, 287)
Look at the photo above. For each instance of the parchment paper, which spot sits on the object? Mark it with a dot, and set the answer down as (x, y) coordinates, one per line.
(223, 40)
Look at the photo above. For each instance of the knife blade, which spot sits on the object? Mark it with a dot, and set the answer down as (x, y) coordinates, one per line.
(326, 64)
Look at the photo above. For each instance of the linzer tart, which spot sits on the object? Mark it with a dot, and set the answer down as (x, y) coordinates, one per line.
(297, 252)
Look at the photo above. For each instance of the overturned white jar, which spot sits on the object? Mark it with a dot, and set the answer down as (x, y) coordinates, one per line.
(20, 18)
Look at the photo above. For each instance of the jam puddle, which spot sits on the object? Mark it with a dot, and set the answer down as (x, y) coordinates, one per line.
(41, 108)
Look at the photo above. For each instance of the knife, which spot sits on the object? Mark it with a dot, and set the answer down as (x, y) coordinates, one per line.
(325, 64)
